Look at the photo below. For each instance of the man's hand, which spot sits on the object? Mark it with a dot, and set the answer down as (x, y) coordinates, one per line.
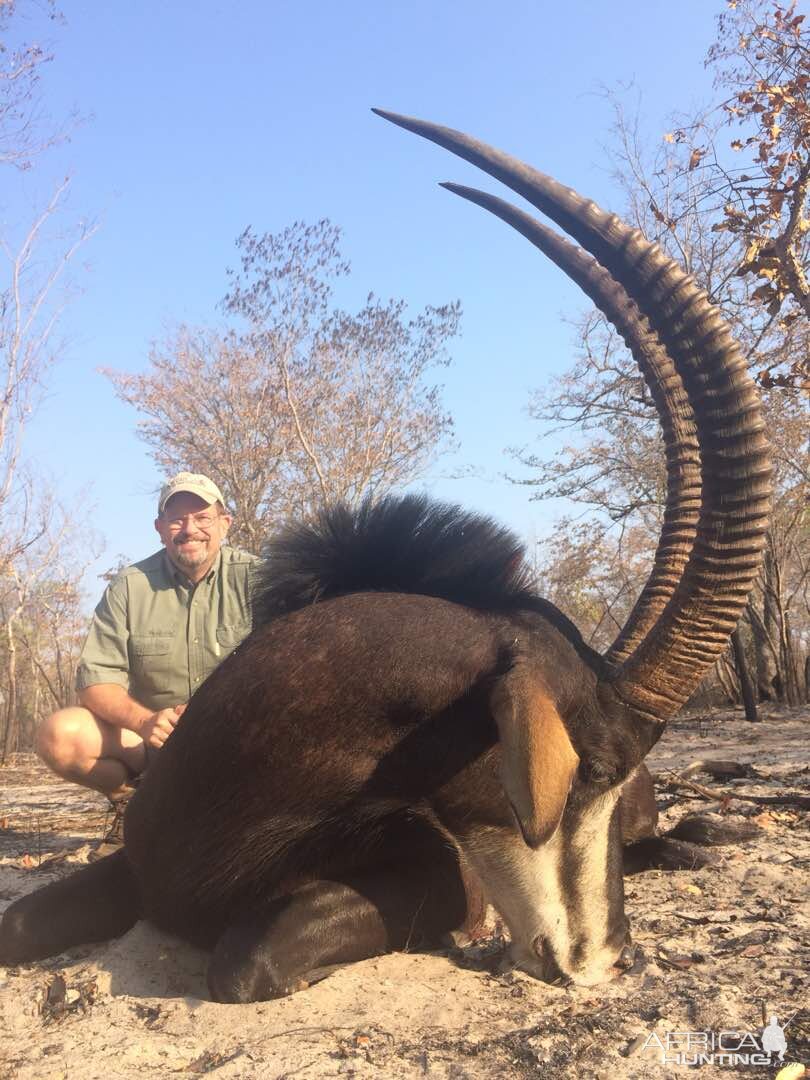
(156, 729)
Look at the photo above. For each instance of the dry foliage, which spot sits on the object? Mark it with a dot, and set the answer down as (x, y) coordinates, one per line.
(768, 74)
(759, 193)
(302, 403)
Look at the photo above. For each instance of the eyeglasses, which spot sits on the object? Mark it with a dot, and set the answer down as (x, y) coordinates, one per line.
(203, 521)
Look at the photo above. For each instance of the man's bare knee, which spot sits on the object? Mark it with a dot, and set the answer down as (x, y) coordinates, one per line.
(61, 739)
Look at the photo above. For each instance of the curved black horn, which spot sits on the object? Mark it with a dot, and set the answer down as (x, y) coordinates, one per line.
(736, 473)
(666, 389)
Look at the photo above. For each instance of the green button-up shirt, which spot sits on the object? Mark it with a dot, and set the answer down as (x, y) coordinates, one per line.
(159, 635)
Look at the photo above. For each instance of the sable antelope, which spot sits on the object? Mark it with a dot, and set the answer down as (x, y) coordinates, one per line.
(408, 717)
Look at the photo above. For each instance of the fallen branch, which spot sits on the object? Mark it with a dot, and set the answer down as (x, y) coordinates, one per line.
(790, 798)
(720, 770)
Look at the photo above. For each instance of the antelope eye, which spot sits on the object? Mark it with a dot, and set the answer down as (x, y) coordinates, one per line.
(601, 774)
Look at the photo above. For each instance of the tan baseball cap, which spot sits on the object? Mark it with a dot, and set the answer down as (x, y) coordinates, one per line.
(196, 483)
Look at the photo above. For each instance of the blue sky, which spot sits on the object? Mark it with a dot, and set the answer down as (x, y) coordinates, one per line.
(204, 117)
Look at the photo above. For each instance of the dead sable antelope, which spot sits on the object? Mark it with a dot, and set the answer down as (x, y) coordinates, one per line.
(408, 718)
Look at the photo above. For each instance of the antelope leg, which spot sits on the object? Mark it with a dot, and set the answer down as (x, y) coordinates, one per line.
(98, 902)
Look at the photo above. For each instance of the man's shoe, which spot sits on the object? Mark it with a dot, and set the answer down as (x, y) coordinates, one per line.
(114, 825)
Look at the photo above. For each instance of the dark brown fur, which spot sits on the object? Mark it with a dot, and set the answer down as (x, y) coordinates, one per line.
(303, 744)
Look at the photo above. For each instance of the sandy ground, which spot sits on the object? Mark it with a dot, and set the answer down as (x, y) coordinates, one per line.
(720, 948)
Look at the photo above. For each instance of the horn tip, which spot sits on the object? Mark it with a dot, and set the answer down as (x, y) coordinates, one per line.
(409, 123)
(386, 114)
(457, 189)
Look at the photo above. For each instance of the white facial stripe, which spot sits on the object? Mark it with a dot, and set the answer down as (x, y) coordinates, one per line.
(525, 887)
(545, 866)
(589, 892)
(559, 892)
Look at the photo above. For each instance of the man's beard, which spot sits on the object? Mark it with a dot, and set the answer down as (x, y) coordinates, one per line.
(191, 558)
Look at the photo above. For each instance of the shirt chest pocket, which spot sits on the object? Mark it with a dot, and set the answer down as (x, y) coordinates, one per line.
(151, 656)
(228, 637)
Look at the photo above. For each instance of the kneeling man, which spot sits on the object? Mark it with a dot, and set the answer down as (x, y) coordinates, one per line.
(161, 627)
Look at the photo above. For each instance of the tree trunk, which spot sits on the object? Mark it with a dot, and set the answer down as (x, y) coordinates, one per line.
(746, 683)
(36, 704)
(773, 620)
(722, 668)
(790, 662)
(10, 737)
(765, 652)
(777, 611)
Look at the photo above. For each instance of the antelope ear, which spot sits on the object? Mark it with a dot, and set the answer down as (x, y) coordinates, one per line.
(538, 762)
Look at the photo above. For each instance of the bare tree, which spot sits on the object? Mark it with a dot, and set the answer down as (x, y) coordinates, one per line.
(594, 578)
(779, 613)
(25, 129)
(34, 259)
(618, 469)
(29, 311)
(302, 403)
(42, 623)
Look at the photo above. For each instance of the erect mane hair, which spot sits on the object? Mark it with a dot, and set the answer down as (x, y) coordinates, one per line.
(401, 544)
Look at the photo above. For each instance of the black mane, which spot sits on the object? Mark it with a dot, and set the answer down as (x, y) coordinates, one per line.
(406, 544)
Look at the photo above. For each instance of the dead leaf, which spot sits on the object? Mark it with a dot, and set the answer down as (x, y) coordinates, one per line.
(207, 1062)
(688, 887)
(677, 962)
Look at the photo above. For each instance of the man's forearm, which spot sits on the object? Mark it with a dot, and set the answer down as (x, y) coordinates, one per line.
(112, 703)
